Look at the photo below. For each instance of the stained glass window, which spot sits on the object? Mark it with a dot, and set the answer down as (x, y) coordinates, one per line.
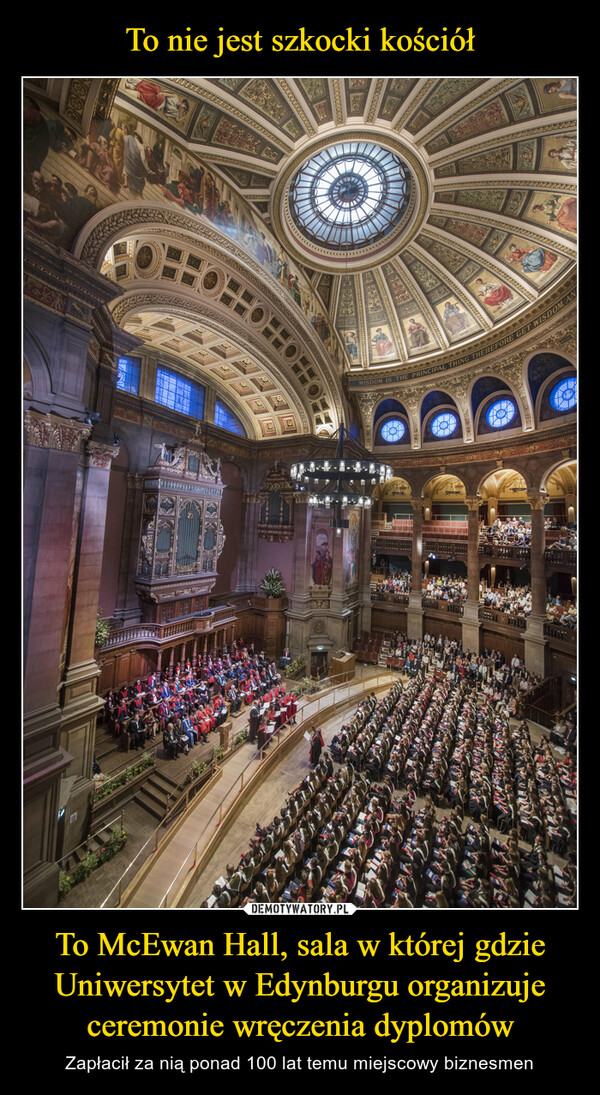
(349, 194)
(178, 393)
(128, 374)
(563, 396)
(227, 420)
(444, 424)
(393, 430)
(500, 413)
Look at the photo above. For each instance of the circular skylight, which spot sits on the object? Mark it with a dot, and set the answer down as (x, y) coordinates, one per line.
(500, 413)
(350, 194)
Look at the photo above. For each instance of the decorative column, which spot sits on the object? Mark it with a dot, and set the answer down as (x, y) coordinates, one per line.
(364, 572)
(248, 580)
(78, 699)
(535, 643)
(414, 614)
(127, 609)
(51, 504)
(471, 632)
(298, 613)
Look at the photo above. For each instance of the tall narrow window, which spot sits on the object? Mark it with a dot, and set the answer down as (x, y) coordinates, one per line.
(128, 374)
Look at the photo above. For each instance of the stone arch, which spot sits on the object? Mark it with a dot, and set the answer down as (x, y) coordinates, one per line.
(427, 414)
(39, 375)
(498, 387)
(301, 353)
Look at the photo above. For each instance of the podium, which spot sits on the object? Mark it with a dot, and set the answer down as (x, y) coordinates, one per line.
(344, 666)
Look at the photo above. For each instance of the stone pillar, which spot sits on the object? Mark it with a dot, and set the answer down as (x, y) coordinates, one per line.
(471, 632)
(127, 609)
(535, 643)
(248, 579)
(79, 701)
(51, 501)
(298, 613)
(364, 572)
(414, 614)
(379, 505)
(492, 504)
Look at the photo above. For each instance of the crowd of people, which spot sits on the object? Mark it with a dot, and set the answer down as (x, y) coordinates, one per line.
(513, 600)
(357, 833)
(502, 680)
(446, 588)
(188, 702)
(511, 530)
(517, 601)
(399, 581)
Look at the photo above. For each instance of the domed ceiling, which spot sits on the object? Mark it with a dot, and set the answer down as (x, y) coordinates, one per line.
(494, 163)
(400, 218)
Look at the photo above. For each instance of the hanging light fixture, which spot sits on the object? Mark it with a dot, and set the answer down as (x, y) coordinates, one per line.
(346, 479)
(347, 191)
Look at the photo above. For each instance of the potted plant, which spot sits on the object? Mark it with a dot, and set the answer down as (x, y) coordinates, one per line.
(272, 584)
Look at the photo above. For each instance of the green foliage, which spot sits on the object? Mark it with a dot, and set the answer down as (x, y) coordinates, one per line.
(295, 666)
(91, 861)
(111, 785)
(102, 629)
(195, 770)
(272, 584)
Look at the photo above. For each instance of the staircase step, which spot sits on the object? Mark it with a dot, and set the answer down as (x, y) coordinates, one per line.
(148, 803)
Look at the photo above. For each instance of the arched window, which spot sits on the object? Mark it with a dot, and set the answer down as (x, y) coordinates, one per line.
(500, 413)
(227, 420)
(444, 424)
(563, 396)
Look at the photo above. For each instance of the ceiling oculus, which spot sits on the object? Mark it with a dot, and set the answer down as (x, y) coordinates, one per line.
(349, 195)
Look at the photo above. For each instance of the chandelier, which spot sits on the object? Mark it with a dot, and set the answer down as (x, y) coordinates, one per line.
(340, 481)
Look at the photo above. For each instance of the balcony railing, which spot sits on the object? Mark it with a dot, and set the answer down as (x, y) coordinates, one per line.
(456, 608)
(503, 618)
(173, 629)
(505, 551)
(564, 634)
(566, 556)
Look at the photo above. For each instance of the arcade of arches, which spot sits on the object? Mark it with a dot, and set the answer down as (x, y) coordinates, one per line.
(219, 274)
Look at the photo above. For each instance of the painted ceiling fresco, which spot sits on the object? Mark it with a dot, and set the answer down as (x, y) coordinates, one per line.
(494, 226)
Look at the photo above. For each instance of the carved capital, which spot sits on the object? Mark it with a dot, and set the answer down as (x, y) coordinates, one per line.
(49, 431)
(368, 401)
(100, 456)
(473, 504)
(536, 501)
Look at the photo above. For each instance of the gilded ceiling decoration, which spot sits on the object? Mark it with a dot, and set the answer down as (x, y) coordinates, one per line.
(487, 226)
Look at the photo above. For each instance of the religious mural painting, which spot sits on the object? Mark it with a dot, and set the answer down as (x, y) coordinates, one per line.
(68, 179)
(555, 211)
(322, 564)
(351, 553)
